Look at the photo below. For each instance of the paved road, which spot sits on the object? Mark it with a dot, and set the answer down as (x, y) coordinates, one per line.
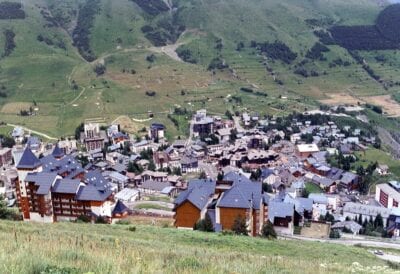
(389, 257)
(367, 243)
(239, 128)
(209, 169)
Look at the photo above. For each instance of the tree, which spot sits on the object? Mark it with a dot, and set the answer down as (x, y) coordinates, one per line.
(268, 231)
(5, 212)
(204, 224)
(378, 223)
(220, 176)
(202, 175)
(239, 226)
(334, 234)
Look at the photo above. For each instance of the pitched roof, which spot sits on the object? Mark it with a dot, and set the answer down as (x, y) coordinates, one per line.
(198, 193)
(280, 210)
(91, 193)
(120, 208)
(57, 152)
(43, 179)
(66, 186)
(28, 160)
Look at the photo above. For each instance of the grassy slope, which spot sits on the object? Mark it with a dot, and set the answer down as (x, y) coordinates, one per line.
(33, 68)
(113, 249)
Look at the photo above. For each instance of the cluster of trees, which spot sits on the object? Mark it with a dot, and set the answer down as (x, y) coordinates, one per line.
(152, 7)
(166, 30)
(375, 108)
(316, 52)
(277, 51)
(51, 21)
(7, 141)
(173, 120)
(9, 45)
(81, 33)
(6, 213)
(305, 73)
(150, 58)
(341, 161)
(151, 93)
(186, 55)
(99, 69)
(11, 10)
(371, 227)
(339, 62)
(3, 91)
(60, 44)
(366, 177)
(217, 63)
(324, 37)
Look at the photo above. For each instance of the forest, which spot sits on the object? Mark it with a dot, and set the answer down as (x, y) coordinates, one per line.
(384, 35)
(81, 33)
(152, 7)
(11, 10)
(277, 51)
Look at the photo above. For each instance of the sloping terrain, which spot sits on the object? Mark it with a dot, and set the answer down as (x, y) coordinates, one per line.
(86, 248)
(78, 59)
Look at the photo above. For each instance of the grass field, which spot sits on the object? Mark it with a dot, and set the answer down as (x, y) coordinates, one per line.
(45, 74)
(373, 155)
(313, 188)
(84, 248)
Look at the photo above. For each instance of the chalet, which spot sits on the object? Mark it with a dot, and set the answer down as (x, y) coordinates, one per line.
(305, 150)
(119, 211)
(18, 134)
(281, 215)
(93, 137)
(191, 204)
(34, 144)
(157, 176)
(161, 159)
(349, 181)
(156, 131)
(203, 125)
(120, 180)
(189, 165)
(127, 195)
(382, 170)
(223, 135)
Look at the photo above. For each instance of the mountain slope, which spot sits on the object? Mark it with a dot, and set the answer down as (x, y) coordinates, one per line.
(59, 44)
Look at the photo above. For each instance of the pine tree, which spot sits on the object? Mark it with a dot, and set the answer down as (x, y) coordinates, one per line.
(268, 231)
(239, 226)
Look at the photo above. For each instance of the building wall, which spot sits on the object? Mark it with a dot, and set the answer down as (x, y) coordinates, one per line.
(228, 216)
(187, 215)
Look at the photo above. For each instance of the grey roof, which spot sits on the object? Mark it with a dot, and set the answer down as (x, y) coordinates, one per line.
(66, 186)
(318, 198)
(154, 185)
(96, 179)
(280, 209)
(351, 225)
(57, 152)
(67, 164)
(243, 194)
(326, 182)
(118, 177)
(348, 177)
(28, 160)
(198, 193)
(366, 210)
(43, 179)
(91, 193)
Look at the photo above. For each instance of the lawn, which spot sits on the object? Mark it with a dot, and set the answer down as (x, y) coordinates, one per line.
(83, 248)
(313, 188)
(152, 206)
(372, 155)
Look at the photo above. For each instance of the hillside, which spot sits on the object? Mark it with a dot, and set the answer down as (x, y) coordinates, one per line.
(85, 248)
(51, 49)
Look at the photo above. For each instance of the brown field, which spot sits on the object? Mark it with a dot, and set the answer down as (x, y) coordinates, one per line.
(15, 107)
(128, 125)
(340, 99)
(390, 106)
(162, 79)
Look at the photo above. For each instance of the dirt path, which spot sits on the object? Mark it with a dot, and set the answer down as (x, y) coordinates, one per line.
(169, 50)
(33, 131)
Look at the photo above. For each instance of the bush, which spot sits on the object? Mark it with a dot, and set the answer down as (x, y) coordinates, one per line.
(239, 226)
(334, 234)
(132, 228)
(123, 222)
(101, 220)
(151, 93)
(9, 44)
(268, 231)
(83, 219)
(99, 69)
(204, 224)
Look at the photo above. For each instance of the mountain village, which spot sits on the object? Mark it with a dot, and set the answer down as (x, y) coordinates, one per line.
(293, 174)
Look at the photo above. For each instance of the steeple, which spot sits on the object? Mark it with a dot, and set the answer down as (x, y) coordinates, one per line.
(57, 152)
(28, 160)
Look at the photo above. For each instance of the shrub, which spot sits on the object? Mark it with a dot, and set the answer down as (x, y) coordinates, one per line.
(204, 224)
(268, 231)
(132, 228)
(334, 234)
(239, 226)
(83, 219)
(151, 93)
(101, 220)
(123, 222)
(100, 69)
